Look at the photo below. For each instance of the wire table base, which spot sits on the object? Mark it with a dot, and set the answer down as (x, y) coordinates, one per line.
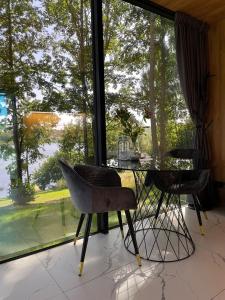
(165, 239)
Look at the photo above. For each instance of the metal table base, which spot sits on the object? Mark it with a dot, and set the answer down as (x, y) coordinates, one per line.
(165, 239)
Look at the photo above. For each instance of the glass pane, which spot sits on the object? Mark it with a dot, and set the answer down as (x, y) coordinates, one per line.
(146, 112)
(45, 114)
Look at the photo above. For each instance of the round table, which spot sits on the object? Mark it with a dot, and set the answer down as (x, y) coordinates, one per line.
(166, 238)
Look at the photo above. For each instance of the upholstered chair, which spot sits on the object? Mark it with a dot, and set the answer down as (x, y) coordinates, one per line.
(179, 182)
(98, 190)
(183, 153)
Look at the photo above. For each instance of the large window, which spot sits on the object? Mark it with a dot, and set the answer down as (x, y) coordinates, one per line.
(46, 114)
(47, 107)
(143, 98)
(146, 114)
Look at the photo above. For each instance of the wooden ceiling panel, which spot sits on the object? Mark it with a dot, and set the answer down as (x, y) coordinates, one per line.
(209, 11)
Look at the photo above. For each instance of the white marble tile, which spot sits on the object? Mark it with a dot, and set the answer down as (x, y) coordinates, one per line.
(26, 278)
(111, 273)
(198, 277)
(192, 221)
(202, 274)
(104, 253)
(61, 296)
(100, 288)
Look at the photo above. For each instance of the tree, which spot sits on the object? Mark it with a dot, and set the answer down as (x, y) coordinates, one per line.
(72, 143)
(131, 126)
(70, 23)
(21, 67)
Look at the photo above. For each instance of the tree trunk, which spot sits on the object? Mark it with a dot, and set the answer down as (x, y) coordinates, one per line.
(27, 167)
(81, 63)
(163, 90)
(13, 98)
(151, 88)
(83, 81)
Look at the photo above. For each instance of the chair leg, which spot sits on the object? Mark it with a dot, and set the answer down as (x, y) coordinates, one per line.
(86, 236)
(168, 200)
(159, 205)
(132, 233)
(82, 216)
(200, 205)
(120, 223)
(197, 208)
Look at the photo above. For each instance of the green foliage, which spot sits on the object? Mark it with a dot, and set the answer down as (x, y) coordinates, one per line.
(22, 71)
(184, 136)
(131, 127)
(46, 46)
(21, 193)
(49, 172)
(61, 184)
(114, 130)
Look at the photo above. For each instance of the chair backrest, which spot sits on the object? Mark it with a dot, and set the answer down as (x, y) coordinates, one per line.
(98, 176)
(80, 189)
(183, 153)
(204, 179)
(196, 180)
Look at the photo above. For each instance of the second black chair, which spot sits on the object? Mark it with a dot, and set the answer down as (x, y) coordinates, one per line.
(179, 182)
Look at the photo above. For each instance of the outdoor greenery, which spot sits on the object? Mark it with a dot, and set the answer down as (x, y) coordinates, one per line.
(46, 68)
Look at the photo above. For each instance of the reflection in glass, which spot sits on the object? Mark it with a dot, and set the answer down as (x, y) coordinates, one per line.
(146, 112)
(45, 113)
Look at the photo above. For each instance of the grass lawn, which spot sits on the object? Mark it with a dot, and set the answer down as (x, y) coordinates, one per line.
(41, 197)
(49, 219)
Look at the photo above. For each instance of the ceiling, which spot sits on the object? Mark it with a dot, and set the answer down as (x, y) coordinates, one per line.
(209, 11)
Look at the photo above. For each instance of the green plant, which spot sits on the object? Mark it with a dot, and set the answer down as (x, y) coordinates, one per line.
(21, 193)
(61, 184)
(49, 172)
(131, 126)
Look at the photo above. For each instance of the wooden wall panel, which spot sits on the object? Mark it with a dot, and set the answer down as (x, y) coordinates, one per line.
(207, 10)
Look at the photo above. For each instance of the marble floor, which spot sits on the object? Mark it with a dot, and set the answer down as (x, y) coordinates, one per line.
(110, 272)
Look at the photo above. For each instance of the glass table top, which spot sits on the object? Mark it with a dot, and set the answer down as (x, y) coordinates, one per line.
(157, 163)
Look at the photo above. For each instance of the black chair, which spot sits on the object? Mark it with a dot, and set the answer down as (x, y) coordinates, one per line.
(98, 190)
(183, 153)
(179, 182)
(194, 155)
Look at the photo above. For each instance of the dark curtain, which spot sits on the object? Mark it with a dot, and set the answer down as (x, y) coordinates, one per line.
(192, 61)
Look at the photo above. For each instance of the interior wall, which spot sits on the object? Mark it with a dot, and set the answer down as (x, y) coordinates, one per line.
(216, 113)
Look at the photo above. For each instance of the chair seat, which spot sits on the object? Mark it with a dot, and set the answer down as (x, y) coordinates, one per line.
(113, 198)
(178, 181)
(184, 188)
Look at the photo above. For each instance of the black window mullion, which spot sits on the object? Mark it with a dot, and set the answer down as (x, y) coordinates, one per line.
(98, 79)
(99, 96)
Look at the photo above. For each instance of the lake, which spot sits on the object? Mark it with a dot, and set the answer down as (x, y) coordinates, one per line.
(47, 150)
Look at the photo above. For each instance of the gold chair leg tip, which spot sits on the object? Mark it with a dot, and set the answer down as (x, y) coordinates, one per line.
(138, 260)
(206, 216)
(122, 234)
(75, 241)
(81, 269)
(202, 231)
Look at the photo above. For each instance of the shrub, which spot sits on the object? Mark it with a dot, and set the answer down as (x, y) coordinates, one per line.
(21, 193)
(61, 184)
(49, 172)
